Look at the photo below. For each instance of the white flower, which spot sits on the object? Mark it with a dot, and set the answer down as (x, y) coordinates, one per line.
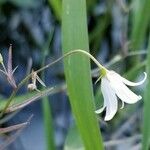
(113, 86)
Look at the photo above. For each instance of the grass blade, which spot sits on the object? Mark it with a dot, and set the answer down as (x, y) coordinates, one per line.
(146, 123)
(48, 124)
(13, 127)
(56, 7)
(77, 71)
(140, 24)
(73, 140)
(25, 100)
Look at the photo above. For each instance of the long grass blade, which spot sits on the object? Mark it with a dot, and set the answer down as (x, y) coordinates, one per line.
(77, 71)
(146, 123)
(22, 101)
(49, 132)
(140, 24)
(47, 116)
(56, 6)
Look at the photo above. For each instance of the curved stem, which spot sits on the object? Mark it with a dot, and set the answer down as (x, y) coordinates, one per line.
(4, 67)
(57, 60)
(45, 67)
(70, 53)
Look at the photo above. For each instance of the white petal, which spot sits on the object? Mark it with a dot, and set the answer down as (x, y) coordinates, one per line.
(122, 106)
(42, 83)
(124, 93)
(110, 99)
(127, 82)
(100, 110)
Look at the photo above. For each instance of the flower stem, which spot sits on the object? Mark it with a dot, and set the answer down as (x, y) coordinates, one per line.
(70, 53)
(45, 67)
(4, 68)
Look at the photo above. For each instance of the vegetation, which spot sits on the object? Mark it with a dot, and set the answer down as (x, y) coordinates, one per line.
(61, 48)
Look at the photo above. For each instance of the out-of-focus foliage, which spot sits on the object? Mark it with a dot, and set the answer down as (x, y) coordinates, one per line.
(115, 28)
(141, 21)
(56, 6)
(20, 3)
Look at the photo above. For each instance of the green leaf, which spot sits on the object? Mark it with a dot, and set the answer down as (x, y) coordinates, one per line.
(73, 140)
(140, 23)
(56, 6)
(146, 123)
(77, 72)
(47, 116)
(24, 100)
(48, 124)
(96, 36)
(2, 2)
(13, 127)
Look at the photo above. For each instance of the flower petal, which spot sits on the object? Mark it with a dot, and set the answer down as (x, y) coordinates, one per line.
(100, 110)
(127, 82)
(124, 93)
(110, 99)
(122, 106)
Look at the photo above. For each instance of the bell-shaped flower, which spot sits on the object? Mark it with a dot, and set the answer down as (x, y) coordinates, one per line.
(112, 86)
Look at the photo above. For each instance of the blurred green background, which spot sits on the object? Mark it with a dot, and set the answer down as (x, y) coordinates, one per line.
(116, 32)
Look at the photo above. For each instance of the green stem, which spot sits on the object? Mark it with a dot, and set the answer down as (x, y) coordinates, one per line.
(45, 67)
(46, 107)
(57, 60)
(70, 53)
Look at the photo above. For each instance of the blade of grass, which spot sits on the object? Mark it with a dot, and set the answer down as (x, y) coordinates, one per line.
(140, 24)
(13, 127)
(56, 6)
(98, 33)
(146, 122)
(24, 100)
(36, 97)
(77, 72)
(91, 4)
(49, 130)
(73, 140)
(13, 137)
(8, 117)
(48, 122)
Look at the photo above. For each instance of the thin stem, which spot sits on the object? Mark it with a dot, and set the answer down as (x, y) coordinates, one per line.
(70, 53)
(142, 52)
(57, 60)
(43, 68)
(4, 67)
(9, 101)
(54, 62)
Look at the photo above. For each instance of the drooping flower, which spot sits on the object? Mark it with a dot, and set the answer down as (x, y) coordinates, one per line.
(112, 86)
